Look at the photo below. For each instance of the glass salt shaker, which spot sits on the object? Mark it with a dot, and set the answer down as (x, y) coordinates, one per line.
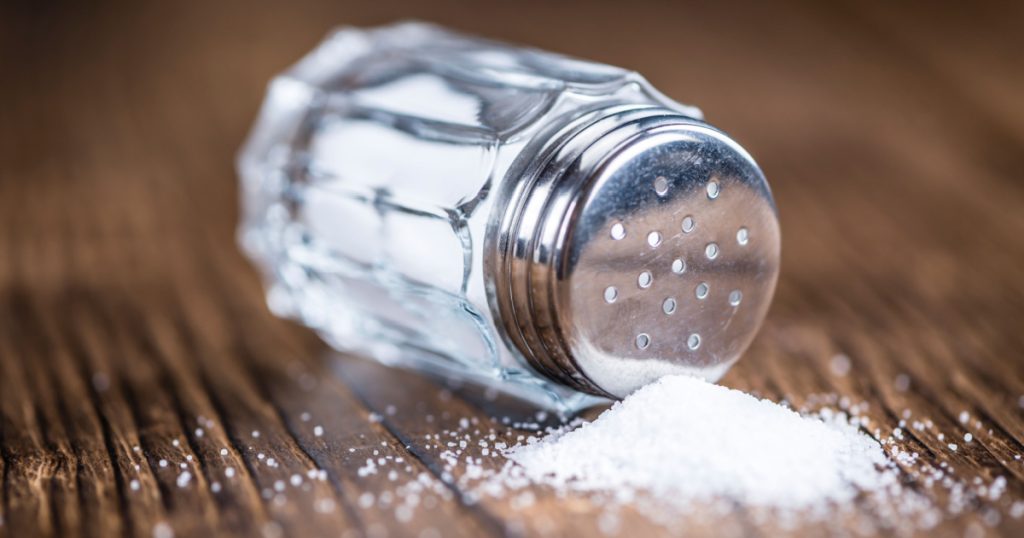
(555, 226)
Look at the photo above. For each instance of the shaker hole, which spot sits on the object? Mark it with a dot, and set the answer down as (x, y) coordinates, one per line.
(654, 239)
(643, 340)
(610, 294)
(688, 224)
(735, 296)
(743, 236)
(644, 280)
(711, 251)
(714, 189)
(618, 231)
(693, 342)
(669, 306)
(661, 186)
(678, 266)
(702, 290)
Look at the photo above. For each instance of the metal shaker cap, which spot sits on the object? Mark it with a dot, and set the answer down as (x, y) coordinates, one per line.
(636, 244)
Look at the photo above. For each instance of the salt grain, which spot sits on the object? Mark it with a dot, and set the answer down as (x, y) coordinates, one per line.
(162, 530)
(366, 500)
(318, 431)
(840, 365)
(324, 505)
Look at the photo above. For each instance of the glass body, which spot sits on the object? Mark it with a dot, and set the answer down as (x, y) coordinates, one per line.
(369, 180)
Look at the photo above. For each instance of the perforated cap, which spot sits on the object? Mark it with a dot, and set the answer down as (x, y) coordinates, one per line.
(642, 244)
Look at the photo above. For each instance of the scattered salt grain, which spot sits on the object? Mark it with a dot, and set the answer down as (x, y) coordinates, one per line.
(162, 463)
(223, 452)
(215, 487)
(162, 530)
(175, 442)
(324, 506)
(134, 484)
(256, 434)
(968, 437)
(183, 479)
(964, 417)
(229, 472)
(840, 365)
(366, 500)
(318, 431)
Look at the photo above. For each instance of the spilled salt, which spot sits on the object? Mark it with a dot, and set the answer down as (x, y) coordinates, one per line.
(686, 440)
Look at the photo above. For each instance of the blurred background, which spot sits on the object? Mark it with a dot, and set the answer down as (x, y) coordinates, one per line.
(892, 134)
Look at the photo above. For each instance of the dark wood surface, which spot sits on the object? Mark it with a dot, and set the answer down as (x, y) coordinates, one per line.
(131, 330)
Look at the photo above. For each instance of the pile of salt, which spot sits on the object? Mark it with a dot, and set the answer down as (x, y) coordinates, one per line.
(684, 440)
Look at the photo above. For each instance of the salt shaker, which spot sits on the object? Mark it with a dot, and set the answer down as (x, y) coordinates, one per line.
(464, 206)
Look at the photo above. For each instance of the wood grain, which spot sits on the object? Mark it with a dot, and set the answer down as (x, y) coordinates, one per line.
(135, 345)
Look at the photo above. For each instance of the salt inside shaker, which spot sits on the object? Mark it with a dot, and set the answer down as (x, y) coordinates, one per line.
(469, 207)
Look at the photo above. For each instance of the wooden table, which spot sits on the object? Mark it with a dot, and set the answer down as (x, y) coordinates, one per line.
(132, 331)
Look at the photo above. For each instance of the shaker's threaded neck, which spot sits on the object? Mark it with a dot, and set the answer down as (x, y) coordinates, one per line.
(632, 243)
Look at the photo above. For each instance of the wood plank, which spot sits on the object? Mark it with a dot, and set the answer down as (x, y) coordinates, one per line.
(29, 466)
